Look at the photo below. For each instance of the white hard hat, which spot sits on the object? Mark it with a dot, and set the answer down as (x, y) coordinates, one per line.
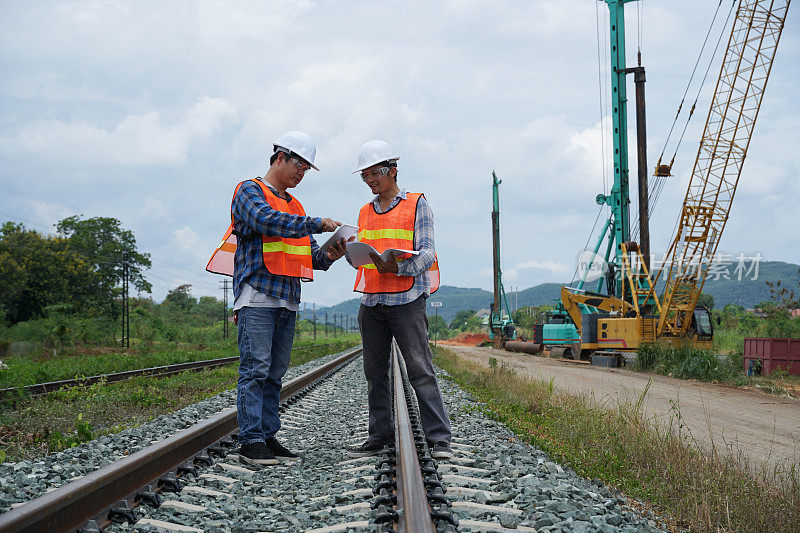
(298, 143)
(374, 152)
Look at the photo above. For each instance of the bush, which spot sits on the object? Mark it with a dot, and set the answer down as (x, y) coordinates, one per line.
(685, 361)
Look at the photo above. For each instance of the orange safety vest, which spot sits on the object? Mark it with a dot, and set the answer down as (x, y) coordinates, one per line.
(284, 256)
(392, 229)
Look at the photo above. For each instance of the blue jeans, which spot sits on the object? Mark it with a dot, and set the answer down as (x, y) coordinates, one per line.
(265, 345)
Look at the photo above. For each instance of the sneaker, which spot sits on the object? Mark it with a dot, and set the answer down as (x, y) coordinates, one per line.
(256, 453)
(280, 450)
(364, 450)
(440, 450)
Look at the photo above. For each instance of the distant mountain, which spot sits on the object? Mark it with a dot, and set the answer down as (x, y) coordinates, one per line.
(747, 293)
(454, 299)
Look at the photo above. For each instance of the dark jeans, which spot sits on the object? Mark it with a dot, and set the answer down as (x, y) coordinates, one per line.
(265, 345)
(408, 324)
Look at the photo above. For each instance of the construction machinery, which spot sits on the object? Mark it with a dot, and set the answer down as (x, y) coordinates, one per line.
(501, 327)
(630, 312)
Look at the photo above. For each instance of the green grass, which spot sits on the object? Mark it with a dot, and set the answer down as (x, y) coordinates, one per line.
(33, 427)
(658, 465)
(82, 362)
(684, 361)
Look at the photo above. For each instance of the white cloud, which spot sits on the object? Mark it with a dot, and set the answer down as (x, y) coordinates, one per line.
(151, 112)
(185, 243)
(47, 214)
(538, 269)
(155, 210)
(142, 139)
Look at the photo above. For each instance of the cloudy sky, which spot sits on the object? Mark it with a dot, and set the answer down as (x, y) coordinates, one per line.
(151, 112)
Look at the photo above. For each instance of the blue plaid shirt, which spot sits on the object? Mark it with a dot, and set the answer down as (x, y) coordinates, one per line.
(252, 217)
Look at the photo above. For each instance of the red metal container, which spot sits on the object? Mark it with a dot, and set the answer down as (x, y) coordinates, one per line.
(773, 354)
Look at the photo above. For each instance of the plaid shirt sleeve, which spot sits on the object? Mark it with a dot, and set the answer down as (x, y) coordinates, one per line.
(423, 241)
(253, 215)
(319, 259)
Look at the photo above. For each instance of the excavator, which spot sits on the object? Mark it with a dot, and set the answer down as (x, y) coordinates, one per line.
(631, 311)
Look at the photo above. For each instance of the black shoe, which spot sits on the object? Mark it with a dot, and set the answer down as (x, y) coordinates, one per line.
(280, 451)
(256, 453)
(440, 450)
(366, 449)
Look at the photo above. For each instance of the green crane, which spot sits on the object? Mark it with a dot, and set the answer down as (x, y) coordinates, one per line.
(561, 329)
(619, 198)
(501, 328)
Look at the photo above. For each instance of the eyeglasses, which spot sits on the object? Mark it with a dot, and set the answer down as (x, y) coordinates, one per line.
(301, 165)
(374, 174)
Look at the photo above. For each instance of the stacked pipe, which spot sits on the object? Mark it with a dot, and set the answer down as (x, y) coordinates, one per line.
(524, 347)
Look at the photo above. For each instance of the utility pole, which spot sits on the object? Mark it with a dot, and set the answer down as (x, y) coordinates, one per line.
(314, 307)
(126, 311)
(225, 286)
(436, 306)
(326, 324)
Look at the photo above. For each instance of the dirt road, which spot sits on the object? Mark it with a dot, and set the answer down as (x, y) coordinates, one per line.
(764, 427)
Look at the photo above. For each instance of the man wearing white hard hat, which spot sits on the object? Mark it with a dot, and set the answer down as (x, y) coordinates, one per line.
(269, 249)
(393, 305)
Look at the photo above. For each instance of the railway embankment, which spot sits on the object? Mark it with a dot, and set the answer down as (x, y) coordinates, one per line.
(706, 455)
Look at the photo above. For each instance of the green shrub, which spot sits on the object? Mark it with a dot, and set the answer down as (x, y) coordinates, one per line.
(685, 361)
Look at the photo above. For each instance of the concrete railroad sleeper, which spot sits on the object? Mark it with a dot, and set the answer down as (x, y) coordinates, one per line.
(113, 492)
(166, 370)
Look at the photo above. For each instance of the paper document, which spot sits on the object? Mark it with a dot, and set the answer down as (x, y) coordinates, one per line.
(345, 231)
(358, 252)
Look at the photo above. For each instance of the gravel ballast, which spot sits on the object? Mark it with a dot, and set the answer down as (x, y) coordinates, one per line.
(26, 480)
(495, 481)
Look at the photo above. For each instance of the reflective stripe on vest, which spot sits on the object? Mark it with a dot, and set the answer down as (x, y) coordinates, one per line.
(387, 234)
(283, 256)
(393, 229)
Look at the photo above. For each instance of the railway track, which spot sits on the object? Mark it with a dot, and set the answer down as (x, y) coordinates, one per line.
(166, 370)
(112, 493)
(493, 482)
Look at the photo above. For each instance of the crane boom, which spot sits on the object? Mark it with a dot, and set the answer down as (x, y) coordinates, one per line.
(729, 127)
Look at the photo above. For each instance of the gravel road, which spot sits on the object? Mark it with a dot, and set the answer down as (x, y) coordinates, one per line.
(763, 426)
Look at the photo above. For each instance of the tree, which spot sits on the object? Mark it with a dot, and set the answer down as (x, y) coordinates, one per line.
(181, 299)
(461, 319)
(437, 326)
(209, 310)
(474, 323)
(706, 300)
(101, 241)
(38, 271)
(12, 280)
(779, 311)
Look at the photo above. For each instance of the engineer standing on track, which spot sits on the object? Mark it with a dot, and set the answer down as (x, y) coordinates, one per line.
(394, 298)
(274, 251)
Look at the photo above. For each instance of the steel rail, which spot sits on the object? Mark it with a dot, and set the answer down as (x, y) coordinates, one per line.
(412, 497)
(166, 370)
(71, 506)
